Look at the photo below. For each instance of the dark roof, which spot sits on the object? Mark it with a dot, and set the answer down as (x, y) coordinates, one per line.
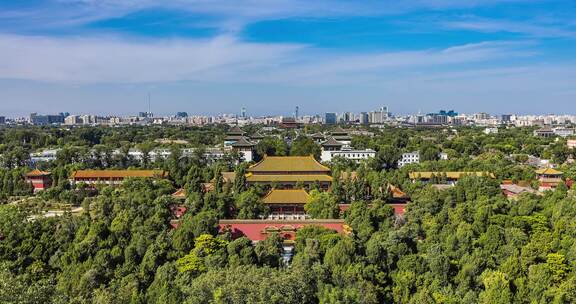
(235, 131)
(243, 142)
(339, 131)
(331, 142)
(256, 136)
(317, 135)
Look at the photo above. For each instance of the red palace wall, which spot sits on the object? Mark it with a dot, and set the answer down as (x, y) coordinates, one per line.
(258, 230)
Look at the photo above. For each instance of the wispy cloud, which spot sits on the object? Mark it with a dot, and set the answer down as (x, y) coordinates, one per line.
(231, 14)
(531, 29)
(221, 59)
(110, 60)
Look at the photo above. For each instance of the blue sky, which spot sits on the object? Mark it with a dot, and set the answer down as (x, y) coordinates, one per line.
(216, 56)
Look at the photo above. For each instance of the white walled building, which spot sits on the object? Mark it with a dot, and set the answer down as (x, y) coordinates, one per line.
(443, 156)
(563, 132)
(355, 155)
(44, 156)
(414, 158)
(245, 148)
(332, 148)
(489, 131)
(409, 158)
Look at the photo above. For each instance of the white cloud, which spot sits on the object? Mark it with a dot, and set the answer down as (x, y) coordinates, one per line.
(110, 60)
(221, 59)
(527, 28)
(231, 14)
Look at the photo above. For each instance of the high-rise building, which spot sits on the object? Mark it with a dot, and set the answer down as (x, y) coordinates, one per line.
(296, 113)
(379, 116)
(2, 120)
(145, 114)
(181, 114)
(481, 116)
(36, 119)
(450, 113)
(364, 119)
(436, 118)
(72, 120)
(385, 113)
(88, 119)
(330, 118)
(347, 117)
(243, 112)
(376, 117)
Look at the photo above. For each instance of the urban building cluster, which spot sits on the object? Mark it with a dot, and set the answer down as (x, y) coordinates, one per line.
(337, 143)
(381, 116)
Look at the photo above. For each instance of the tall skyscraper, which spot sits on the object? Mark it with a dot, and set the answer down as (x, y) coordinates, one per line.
(296, 113)
(243, 112)
(364, 118)
(330, 118)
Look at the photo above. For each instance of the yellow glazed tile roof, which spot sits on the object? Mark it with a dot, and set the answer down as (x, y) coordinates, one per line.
(37, 172)
(286, 196)
(288, 164)
(180, 193)
(549, 171)
(119, 173)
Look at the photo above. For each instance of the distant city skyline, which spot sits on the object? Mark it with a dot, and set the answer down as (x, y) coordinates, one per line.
(208, 57)
(259, 113)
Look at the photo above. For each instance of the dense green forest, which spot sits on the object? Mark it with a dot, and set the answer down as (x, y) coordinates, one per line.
(465, 244)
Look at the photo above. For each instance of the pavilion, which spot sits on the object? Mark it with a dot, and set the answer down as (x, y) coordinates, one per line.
(40, 180)
(549, 178)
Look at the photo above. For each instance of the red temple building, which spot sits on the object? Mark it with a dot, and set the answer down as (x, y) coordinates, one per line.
(549, 178)
(40, 180)
(286, 204)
